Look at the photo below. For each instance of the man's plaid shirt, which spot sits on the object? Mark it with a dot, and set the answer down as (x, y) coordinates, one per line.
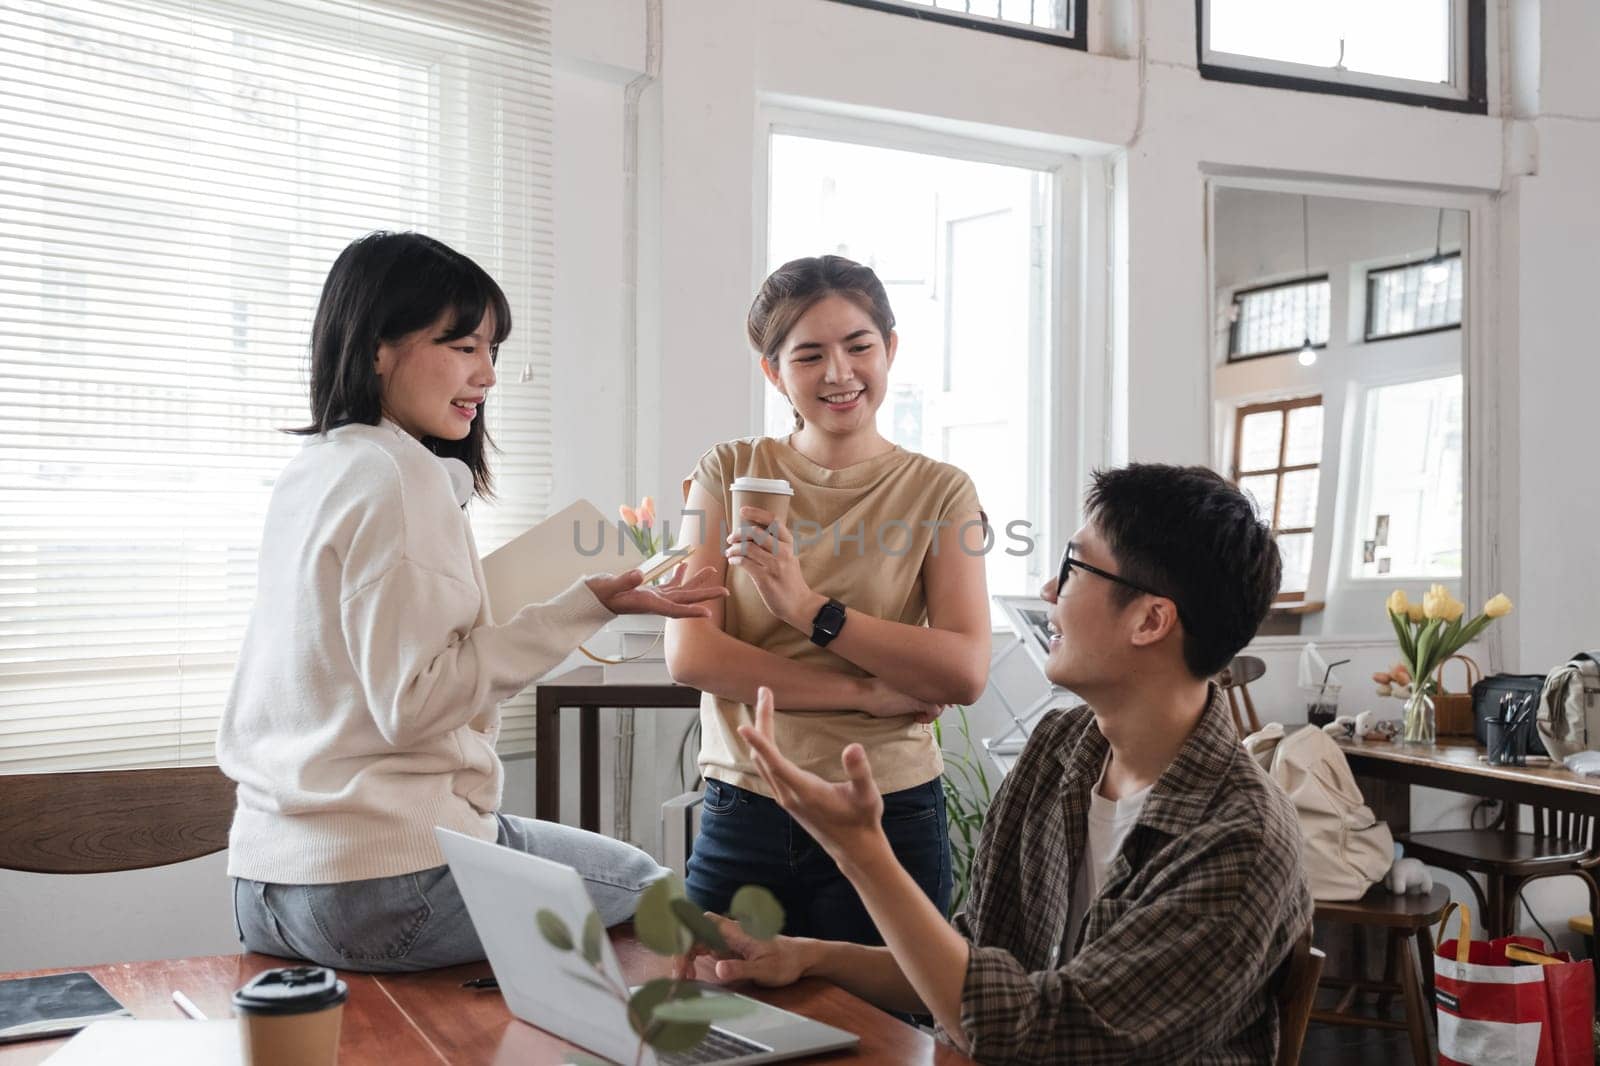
(1176, 957)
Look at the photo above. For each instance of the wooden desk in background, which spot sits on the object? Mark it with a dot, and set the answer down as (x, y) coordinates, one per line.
(428, 1018)
(1385, 771)
(585, 689)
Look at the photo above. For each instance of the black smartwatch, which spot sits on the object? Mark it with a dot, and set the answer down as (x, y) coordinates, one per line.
(826, 625)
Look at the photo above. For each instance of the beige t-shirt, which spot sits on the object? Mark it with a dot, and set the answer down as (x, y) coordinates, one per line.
(862, 534)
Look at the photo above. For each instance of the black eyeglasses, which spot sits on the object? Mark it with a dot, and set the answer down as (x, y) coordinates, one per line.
(1068, 564)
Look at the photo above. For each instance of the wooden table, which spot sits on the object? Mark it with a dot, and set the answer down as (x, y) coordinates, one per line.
(428, 1018)
(584, 689)
(1386, 771)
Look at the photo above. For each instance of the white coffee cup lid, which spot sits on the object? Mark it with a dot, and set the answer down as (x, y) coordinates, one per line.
(775, 486)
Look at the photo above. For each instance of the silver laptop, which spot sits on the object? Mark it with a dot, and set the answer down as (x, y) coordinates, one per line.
(504, 889)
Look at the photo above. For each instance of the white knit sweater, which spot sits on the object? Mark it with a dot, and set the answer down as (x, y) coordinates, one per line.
(365, 706)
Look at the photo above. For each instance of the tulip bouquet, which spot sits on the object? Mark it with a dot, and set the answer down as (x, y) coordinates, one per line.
(639, 522)
(1429, 633)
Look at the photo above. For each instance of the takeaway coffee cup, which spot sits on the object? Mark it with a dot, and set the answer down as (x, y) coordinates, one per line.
(290, 1017)
(768, 493)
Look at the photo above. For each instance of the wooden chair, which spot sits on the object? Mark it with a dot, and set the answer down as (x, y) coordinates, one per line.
(1234, 680)
(100, 821)
(1297, 993)
(1561, 844)
(1408, 920)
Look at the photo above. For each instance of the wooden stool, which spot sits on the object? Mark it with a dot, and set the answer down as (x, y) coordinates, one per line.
(1583, 925)
(1410, 944)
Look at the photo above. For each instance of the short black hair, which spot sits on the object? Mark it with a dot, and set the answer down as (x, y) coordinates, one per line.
(1184, 531)
(382, 287)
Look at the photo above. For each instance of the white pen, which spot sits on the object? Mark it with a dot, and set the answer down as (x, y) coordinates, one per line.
(188, 1007)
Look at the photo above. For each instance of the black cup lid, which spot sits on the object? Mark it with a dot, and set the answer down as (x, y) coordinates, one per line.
(292, 990)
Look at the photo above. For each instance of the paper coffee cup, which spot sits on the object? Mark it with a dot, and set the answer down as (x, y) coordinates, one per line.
(768, 493)
(291, 1016)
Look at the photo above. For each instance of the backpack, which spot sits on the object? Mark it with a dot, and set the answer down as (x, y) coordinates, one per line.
(1347, 850)
(1569, 712)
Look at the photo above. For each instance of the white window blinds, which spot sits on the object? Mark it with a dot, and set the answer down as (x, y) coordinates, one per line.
(176, 180)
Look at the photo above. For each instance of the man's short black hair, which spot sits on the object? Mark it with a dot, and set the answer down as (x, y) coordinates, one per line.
(1185, 532)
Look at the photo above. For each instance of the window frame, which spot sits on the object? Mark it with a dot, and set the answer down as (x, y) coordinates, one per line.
(1078, 38)
(1242, 412)
(1466, 92)
(1368, 337)
(1054, 454)
(1233, 327)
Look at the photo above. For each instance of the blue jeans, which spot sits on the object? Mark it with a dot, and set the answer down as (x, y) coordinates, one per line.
(418, 921)
(747, 839)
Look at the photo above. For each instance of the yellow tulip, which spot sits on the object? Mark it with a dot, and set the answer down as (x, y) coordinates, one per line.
(1435, 602)
(1398, 603)
(1454, 609)
(1414, 612)
(1498, 606)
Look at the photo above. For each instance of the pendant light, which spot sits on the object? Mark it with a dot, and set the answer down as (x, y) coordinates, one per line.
(1308, 352)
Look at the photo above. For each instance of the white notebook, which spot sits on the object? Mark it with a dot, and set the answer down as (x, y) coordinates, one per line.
(153, 1043)
(544, 562)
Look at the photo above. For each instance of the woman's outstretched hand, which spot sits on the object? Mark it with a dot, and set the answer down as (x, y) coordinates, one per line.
(679, 598)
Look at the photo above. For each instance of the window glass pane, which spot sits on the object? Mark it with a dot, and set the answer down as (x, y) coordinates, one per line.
(1305, 436)
(1281, 318)
(1416, 297)
(1410, 40)
(1260, 440)
(1298, 509)
(1041, 14)
(1264, 490)
(1410, 520)
(1296, 551)
(953, 242)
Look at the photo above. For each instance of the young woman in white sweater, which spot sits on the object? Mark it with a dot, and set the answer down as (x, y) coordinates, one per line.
(365, 707)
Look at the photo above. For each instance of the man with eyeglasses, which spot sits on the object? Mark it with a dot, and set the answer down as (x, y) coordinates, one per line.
(1138, 880)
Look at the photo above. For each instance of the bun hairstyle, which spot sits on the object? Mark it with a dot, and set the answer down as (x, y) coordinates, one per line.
(794, 288)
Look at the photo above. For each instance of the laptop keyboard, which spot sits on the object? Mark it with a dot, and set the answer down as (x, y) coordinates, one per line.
(718, 1046)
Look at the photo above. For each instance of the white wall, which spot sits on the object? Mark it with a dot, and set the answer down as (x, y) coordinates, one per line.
(1169, 129)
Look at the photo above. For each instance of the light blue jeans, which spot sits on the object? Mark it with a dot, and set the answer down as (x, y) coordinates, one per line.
(418, 921)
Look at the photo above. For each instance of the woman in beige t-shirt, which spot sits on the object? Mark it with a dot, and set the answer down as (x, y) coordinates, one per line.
(866, 615)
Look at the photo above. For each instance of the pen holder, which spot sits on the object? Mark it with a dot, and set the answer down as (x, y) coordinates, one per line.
(1508, 747)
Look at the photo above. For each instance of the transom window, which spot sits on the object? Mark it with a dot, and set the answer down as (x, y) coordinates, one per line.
(1414, 298)
(1278, 319)
(1051, 21)
(1420, 53)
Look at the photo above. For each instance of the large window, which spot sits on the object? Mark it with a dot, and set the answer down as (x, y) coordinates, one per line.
(1428, 52)
(1278, 319)
(963, 249)
(1414, 298)
(1051, 21)
(1408, 521)
(1277, 462)
(178, 178)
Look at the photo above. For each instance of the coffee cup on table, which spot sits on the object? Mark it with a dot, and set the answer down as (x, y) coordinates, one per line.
(291, 1016)
(771, 494)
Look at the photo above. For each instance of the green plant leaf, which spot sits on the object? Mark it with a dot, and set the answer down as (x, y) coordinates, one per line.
(1402, 631)
(654, 922)
(643, 1003)
(699, 926)
(702, 1009)
(757, 911)
(593, 932)
(676, 1036)
(555, 931)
